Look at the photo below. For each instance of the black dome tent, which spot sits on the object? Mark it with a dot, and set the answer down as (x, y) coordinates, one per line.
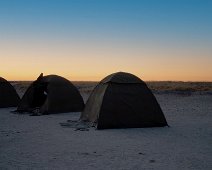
(8, 95)
(122, 100)
(51, 94)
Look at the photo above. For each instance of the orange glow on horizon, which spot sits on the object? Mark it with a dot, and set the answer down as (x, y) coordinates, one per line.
(78, 62)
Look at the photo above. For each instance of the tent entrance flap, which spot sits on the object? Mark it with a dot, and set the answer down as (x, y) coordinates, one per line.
(39, 95)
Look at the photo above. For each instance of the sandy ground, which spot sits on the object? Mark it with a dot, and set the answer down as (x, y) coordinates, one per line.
(39, 142)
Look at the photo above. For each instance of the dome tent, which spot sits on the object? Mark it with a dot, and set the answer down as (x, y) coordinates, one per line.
(51, 94)
(8, 95)
(122, 100)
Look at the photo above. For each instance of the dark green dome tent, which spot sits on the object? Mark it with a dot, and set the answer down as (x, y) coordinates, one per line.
(8, 95)
(51, 94)
(122, 100)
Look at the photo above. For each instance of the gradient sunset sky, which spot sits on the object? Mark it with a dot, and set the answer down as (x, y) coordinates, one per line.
(89, 39)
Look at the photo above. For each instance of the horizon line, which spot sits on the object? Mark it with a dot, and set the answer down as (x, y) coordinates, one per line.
(186, 81)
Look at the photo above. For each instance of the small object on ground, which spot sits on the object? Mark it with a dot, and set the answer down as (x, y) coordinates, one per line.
(36, 112)
(74, 121)
(140, 153)
(66, 125)
(82, 129)
(152, 161)
(78, 125)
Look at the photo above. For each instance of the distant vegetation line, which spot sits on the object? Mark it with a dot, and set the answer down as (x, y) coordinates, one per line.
(155, 86)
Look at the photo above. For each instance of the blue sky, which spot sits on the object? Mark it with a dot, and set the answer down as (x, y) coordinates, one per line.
(134, 27)
(134, 17)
